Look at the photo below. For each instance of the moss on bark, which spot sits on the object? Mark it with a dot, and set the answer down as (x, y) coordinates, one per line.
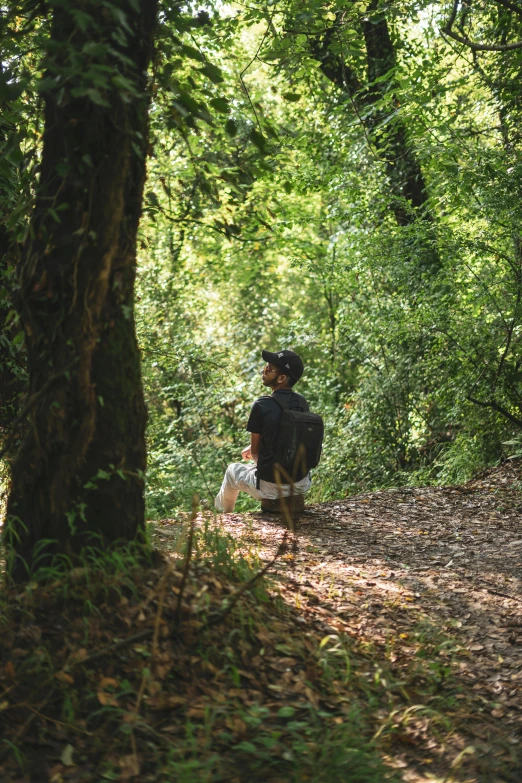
(80, 468)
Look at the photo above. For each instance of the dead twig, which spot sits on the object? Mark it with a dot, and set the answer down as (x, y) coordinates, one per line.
(190, 540)
(216, 618)
(26, 725)
(137, 637)
(499, 592)
(157, 621)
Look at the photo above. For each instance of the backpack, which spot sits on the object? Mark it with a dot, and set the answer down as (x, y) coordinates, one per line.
(299, 441)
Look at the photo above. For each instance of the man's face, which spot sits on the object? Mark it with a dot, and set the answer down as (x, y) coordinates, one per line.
(270, 375)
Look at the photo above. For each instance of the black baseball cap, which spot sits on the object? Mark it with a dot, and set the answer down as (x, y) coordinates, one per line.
(289, 361)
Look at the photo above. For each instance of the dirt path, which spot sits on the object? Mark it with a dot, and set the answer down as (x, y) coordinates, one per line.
(426, 585)
(402, 622)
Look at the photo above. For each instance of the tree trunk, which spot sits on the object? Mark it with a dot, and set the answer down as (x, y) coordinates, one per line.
(406, 182)
(403, 168)
(78, 476)
(12, 359)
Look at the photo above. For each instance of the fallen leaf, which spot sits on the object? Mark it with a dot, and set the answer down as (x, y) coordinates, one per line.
(64, 677)
(130, 767)
(66, 756)
(107, 699)
(106, 681)
(9, 670)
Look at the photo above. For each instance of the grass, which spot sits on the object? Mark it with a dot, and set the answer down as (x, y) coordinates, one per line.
(133, 667)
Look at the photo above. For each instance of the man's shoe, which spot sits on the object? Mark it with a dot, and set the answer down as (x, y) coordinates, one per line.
(291, 505)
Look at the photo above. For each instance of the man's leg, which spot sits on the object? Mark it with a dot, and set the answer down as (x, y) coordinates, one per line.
(238, 477)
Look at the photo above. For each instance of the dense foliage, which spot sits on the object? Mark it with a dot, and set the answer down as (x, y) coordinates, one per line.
(342, 179)
(282, 225)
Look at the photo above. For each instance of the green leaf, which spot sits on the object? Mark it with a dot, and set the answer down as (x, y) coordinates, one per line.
(152, 199)
(279, 50)
(248, 747)
(193, 53)
(286, 712)
(220, 104)
(258, 139)
(54, 214)
(10, 91)
(62, 168)
(120, 17)
(15, 155)
(82, 19)
(293, 97)
(122, 83)
(213, 73)
(5, 169)
(188, 102)
(231, 128)
(270, 130)
(95, 49)
(96, 97)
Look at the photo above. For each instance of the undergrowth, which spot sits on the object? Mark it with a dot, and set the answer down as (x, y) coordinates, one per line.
(133, 666)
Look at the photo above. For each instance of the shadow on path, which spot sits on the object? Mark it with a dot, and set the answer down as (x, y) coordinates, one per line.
(424, 585)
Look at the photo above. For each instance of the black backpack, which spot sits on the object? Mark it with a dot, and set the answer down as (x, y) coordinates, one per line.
(299, 441)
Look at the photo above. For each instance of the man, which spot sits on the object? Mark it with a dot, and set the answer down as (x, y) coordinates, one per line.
(281, 371)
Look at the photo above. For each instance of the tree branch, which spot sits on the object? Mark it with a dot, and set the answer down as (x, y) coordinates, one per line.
(478, 47)
(496, 407)
(510, 6)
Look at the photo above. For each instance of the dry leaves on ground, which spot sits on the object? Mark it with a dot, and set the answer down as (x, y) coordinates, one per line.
(395, 615)
(426, 584)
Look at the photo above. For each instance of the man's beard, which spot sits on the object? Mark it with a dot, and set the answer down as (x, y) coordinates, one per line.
(270, 384)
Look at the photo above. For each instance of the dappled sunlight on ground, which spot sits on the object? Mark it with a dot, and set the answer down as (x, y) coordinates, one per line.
(426, 584)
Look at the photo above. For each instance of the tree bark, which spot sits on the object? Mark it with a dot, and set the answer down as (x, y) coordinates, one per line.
(12, 360)
(402, 167)
(406, 181)
(78, 476)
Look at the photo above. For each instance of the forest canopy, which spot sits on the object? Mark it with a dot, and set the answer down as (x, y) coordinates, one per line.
(338, 178)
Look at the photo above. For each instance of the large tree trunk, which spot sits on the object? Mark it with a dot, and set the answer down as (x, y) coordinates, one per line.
(406, 182)
(78, 476)
(12, 359)
(403, 168)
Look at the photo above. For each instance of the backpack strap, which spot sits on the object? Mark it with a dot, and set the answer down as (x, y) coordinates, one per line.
(283, 404)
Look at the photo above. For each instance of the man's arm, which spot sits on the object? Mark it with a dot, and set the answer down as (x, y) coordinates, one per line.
(254, 427)
(252, 451)
(255, 440)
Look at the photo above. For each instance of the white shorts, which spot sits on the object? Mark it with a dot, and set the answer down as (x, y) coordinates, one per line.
(242, 478)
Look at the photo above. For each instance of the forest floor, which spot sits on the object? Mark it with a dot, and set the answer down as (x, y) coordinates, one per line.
(383, 645)
(425, 583)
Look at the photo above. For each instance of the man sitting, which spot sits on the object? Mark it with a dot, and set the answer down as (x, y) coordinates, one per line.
(281, 372)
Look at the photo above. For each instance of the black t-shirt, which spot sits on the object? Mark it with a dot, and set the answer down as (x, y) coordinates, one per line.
(264, 420)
